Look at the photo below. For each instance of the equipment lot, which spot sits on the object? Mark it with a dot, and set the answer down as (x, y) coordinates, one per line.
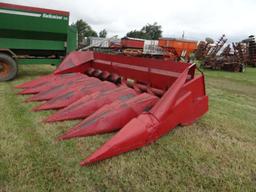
(215, 153)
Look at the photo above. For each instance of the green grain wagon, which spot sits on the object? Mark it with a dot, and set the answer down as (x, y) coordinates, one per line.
(30, 35)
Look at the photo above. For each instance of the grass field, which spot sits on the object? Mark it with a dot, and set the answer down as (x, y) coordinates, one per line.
(217, 153)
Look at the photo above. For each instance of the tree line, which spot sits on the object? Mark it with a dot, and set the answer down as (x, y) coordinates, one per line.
(149, 31)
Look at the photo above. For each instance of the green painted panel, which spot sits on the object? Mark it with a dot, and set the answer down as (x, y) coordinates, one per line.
(32, 24)
(19, 34)
(72, 39)
(31, 44)
(23, 30)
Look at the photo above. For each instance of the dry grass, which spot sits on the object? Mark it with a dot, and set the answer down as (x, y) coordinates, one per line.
(217, 153)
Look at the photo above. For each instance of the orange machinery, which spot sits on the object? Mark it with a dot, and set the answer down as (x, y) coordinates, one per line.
(178, 47)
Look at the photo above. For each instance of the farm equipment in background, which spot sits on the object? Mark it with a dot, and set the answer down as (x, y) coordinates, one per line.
(203, 48)
(132, 46)
(178, 48)
(30, 35)
(141, 98)
(222, 56)
(250, 51)
(104, 45)
(164, 48)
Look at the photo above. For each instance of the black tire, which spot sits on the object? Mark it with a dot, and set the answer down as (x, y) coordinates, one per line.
(8, 67)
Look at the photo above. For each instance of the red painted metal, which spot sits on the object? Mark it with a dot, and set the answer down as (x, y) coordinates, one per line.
(74, 95)
(43, 80)
(56, 82)
(141, 118)
(177, 106)
(63, 89)
(87, 105)
(132, 43)
(75, 62)
(112, 117)
(155, 73)
(33, 9)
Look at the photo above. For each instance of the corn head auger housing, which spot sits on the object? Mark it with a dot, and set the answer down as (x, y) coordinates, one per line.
(143, 99)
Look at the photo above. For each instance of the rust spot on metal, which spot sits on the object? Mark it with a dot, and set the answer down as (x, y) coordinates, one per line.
(4, 69)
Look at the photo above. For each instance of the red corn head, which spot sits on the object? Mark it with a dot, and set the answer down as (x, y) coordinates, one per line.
(90, 103)
(44, 79)
(74, 95)
(75, 62)
(112, 117)
(63, 89)
(56, 82)
(175, 107)
(140, 118)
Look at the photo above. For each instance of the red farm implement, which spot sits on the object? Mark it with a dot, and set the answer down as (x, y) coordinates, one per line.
(164, 48)
(143, 99)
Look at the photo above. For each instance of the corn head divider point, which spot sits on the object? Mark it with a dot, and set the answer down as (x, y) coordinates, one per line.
(143, 99)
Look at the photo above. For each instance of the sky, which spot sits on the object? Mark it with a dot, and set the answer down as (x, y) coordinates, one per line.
(197, 18)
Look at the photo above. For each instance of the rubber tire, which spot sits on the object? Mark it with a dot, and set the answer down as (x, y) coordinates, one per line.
(12, 64)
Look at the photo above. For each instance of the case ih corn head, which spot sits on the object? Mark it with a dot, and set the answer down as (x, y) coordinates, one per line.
(143, 99)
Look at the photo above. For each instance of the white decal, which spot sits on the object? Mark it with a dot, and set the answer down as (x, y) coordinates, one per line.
(20, 13)
(44, 15)
(50, 16)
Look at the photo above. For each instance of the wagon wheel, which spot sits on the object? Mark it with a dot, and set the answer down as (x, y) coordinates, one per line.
(8, 67)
